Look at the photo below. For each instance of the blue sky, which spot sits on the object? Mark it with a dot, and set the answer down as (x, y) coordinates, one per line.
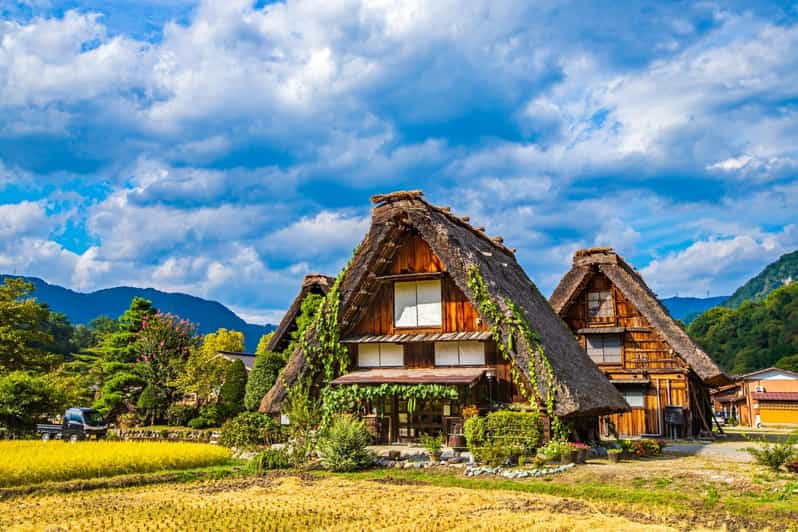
(226, 148)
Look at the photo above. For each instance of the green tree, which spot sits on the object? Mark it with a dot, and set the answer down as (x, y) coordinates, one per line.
(23, 330)
(263, 343)
(26, 399)
(231, 397)
(120, 345)
(163, 345)
(265, 369)
(202, 375)
(789, 363)
(115, 371)
(223, 340)
(152, 404)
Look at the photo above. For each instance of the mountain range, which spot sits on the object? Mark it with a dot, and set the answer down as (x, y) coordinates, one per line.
(82, 307)
(687, 309)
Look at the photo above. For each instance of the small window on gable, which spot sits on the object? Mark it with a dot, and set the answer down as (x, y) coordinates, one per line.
(599, 304)
(604, 348)
(417, 304)
(380, 355)
(635, 398)
(459, 353)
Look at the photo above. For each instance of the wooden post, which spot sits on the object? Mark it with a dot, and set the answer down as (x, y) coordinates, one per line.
(546, 428)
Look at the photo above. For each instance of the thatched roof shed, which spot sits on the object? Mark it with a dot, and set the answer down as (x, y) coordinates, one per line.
(580, 388)
(587, 262)
(313, 283)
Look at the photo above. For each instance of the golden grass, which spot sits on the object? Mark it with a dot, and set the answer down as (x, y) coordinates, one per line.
(289, 503)
(32, 462)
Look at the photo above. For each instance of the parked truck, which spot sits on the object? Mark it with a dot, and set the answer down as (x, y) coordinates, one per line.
(79, 424)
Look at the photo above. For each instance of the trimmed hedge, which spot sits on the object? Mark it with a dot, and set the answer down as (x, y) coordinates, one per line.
(250, 429)
(508, 431)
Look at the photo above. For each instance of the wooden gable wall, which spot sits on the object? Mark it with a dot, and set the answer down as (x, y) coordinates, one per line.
(415, 256)
(643, 347)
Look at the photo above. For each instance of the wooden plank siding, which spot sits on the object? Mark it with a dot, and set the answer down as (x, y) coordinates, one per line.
(645, 357)
(415, 256)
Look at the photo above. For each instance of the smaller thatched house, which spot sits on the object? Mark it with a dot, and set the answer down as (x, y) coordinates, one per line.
(430, 302)
(313, 283)
(664, 376)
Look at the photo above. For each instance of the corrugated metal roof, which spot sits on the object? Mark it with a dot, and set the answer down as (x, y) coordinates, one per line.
(412, 376)
(775, 396)
(418, 337)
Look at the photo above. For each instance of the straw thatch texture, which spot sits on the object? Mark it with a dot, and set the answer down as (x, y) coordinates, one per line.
(586, 262)
(581, 389)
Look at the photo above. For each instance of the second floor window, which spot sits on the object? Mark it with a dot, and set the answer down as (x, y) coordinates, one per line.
(604, 348)
(599, 304)
(417, 304)
(464, 353)
(380, 355)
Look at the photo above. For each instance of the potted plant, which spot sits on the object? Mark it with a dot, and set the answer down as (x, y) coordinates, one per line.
(433, 446)
(581, 452)
(614, 455)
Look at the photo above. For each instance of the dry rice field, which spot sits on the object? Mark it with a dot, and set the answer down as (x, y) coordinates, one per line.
(318, 503)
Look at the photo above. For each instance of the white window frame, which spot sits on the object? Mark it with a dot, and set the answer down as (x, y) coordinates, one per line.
(388, 355)
(462, 353)
(426, 309)
(600, 304)
(603, 358)
(636, 398)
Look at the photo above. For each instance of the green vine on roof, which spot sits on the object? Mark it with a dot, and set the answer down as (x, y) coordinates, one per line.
(506, 332)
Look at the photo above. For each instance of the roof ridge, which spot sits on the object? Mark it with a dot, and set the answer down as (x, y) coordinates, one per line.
(382, 200)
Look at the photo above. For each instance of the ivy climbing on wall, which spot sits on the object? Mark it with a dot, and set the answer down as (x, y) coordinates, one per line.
(336, 399)
(507, 331)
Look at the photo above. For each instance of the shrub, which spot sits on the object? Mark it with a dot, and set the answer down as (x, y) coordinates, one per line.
(128, 420)
(474, 430)
(304, 417)
(264, 374)
(494, 454)
(517, 432)
(249, 429)
(432, 444)
(179, 415)
(150, 404)
(271, 459)
(199, 423)
(644, 447)
(231, 396)
(556, 450)
(773, 456)
(343, 447)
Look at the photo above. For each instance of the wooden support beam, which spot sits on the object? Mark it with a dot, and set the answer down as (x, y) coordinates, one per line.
(409, 276)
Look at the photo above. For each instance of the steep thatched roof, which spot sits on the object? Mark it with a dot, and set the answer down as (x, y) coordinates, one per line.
(587, 262)
(312, 283)
(581, 389)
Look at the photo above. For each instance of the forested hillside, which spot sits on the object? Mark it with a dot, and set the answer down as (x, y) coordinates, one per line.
(756, 335)
(775, 275)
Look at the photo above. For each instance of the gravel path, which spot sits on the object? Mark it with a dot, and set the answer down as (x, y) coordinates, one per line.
(732, 451)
